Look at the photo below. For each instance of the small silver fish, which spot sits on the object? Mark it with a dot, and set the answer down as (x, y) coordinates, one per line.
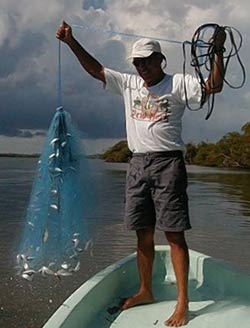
(89, 244)
(54, 140)
(30, 258)
(51, 264)
(31, 224)
(52, 156)
(18, 259)
(45, 235)
(72, 168)
(29, 272)
(64, 143)
(76, 242)
(27, 276)
(65, 265)
(54, 206)
(26, 266)
(54, 191)
(58, 169)
(69, 135)
(45, 270)
(57, 153)
(39, 162)
(77, 267)
(63, 273)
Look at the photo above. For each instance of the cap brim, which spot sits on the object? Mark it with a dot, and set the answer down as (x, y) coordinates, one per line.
(142, 54)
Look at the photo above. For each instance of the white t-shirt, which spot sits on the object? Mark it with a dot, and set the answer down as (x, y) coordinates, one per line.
(154, 114)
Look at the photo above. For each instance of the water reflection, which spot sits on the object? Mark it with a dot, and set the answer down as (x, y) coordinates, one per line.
(220, 215)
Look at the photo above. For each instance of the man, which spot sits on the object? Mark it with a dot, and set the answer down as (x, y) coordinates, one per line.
(156, 179)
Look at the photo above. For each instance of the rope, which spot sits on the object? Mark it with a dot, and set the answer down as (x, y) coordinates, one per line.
(59, 78)
(205, 61)
(130, 35)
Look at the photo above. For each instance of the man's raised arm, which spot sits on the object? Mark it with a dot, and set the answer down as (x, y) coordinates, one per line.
(215, 80)
(89, 63)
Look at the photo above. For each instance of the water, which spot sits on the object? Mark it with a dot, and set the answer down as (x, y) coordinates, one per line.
(219, 209)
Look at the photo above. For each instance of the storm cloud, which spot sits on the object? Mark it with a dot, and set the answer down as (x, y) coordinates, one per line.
(28, 71)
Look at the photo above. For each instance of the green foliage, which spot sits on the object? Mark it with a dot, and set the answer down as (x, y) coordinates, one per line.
(118, 153)
(232, 150)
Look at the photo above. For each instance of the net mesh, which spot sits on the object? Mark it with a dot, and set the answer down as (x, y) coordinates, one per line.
(55, 231)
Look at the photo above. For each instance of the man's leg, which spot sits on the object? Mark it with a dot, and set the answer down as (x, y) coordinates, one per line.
(180, 260)
(145, 259)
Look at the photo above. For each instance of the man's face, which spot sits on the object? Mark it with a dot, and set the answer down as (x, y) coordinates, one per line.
(149, 68)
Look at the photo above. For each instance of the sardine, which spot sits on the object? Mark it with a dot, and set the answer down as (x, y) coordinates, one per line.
(27, 276)
(58, 169)
(29, 272)
(54, 140)
(76, 242)
(52, 156)
(31, 224)
(63, 273)
(45, 235)
(26, 266)
(77, 267)
(89, 244)
(54, 206)
(44, 270)
(19, 259)
(30, 258)
(65, 265)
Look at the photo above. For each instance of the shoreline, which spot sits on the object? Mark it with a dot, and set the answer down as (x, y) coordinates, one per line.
(20, 155)
(98, 156)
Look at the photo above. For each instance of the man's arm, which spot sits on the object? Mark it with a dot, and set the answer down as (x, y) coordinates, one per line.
(215, 80)
(89, 63)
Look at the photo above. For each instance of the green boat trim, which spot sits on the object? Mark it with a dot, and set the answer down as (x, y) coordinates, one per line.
(219, 296)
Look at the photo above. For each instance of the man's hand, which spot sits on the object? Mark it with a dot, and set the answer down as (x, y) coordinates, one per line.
(88, 62)
(64, 33)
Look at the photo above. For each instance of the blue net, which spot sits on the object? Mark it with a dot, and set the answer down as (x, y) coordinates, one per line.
(55, 231)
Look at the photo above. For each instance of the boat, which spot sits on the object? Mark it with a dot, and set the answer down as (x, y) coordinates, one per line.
(219, 296)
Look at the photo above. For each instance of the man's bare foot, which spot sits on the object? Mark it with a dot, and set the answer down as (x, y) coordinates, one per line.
(138, 299)
(179, 317)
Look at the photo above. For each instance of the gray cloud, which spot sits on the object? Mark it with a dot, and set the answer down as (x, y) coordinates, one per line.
(95, 4)
(29, 62)
(31, 45)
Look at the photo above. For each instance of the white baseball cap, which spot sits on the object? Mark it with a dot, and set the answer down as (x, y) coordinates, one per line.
(144, 48)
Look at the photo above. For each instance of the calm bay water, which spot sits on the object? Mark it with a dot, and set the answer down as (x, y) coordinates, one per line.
(219, 209)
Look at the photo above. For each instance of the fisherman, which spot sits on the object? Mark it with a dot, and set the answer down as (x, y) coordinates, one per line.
(156, 179)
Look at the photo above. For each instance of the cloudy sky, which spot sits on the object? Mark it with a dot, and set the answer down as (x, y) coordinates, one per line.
(28, 70)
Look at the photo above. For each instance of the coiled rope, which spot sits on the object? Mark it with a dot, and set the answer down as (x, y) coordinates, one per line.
(202, 60)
